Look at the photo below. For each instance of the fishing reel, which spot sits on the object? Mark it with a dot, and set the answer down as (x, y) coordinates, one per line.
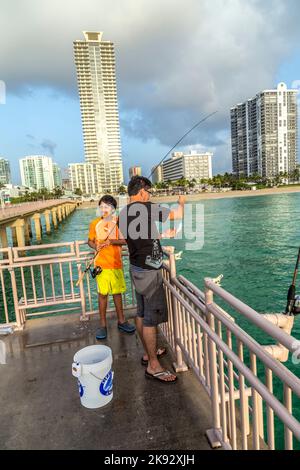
(96, 271)
(296, 308)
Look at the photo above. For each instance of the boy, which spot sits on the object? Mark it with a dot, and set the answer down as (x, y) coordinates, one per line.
(104, 236)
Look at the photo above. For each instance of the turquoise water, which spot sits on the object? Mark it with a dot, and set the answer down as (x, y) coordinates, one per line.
(252, 241)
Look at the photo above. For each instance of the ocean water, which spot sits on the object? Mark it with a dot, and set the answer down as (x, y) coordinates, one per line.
(252, 241)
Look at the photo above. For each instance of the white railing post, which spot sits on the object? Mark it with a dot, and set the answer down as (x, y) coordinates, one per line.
(179, 365)
(20, 319)
(214, 433)
(83, 316)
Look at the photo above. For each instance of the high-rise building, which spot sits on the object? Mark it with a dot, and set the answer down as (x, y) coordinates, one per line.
(57, 178)
(157, 176)
(135, 171)
(85, 176)
(264, 134)
(5, 177)
(192, 165)
(96, 77)
(37, 172)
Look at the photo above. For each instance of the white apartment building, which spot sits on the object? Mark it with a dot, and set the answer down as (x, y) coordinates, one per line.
(96, 77)
(157, 176)
(5, 177)
(264, 133)
(57, 178)
(192, 165)
(37, 172)
(85, 176)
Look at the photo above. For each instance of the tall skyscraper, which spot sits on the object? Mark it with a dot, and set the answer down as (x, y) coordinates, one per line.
(96, 77)
(135, 171)
(5, 177)
(264, 134)
(39, 171)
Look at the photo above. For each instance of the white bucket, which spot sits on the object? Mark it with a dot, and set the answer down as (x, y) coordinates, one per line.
(92, 367)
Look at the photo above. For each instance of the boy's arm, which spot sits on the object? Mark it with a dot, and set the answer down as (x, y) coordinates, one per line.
(92, 244)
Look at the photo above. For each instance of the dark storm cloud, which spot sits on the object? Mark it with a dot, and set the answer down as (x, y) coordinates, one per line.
(176, 60)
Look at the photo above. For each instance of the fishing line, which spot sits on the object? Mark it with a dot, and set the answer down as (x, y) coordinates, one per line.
(181, 139)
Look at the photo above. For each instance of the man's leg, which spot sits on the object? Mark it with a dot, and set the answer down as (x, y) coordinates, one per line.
(119, 307)
(102, 300)
(139, 327)
(149, 335)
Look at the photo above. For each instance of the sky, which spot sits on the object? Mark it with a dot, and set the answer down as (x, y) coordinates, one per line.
(177, 61)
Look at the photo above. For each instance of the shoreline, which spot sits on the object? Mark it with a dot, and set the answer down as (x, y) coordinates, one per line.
(208, 196)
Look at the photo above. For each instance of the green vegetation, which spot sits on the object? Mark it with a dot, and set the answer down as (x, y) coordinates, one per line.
(229, 180)
(41, 195)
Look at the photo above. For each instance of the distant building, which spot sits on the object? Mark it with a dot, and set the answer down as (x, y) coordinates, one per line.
(85, 176)
(66, 182)
(96, 77)
(37, 172)
(135, 171)
(57, 177)
(264, 133)
(157, 174)
(192, 165)
(5, 176)
(10, 190)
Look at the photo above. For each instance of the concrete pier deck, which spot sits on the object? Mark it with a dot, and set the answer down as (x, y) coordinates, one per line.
(40, 406)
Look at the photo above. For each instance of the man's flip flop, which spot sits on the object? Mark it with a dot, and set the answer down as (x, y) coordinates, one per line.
(144, 362)
(159, 376)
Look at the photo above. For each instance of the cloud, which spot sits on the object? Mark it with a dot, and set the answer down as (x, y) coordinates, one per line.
(176, 60)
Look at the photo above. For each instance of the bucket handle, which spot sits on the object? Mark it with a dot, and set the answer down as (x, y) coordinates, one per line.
(76, 369)
(100, 378)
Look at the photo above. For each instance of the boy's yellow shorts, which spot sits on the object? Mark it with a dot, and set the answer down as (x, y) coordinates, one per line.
(111, 281)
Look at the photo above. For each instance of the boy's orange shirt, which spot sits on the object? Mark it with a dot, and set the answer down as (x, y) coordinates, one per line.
(109, 257)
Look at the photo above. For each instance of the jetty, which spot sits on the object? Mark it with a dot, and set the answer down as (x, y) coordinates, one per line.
(233, 390)
(19, 219)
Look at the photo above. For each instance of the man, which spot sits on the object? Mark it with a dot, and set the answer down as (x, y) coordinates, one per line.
(137, 222)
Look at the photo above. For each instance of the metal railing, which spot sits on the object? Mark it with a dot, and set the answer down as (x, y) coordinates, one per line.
(255, 400)
(36, 281)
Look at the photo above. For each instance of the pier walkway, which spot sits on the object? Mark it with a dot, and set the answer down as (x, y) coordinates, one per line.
(41, 407)
(19, 218)
(232, 389)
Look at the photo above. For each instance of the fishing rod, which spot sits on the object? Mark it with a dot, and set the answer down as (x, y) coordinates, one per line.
(181, 139)
(291, 297)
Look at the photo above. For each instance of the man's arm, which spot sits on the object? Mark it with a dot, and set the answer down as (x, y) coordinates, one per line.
(177, 214)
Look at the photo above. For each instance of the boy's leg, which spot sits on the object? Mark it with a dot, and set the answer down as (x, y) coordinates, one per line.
(102, 300)
(119, 307)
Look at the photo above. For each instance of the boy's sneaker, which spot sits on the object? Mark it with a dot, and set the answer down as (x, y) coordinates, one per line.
(126, 327)
(101, 332)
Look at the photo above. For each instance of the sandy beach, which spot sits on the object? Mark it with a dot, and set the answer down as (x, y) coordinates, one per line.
(221, 195)
(230, 194)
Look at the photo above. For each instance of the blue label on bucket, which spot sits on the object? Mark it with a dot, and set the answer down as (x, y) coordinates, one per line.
(81, 390)
(106, 385)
